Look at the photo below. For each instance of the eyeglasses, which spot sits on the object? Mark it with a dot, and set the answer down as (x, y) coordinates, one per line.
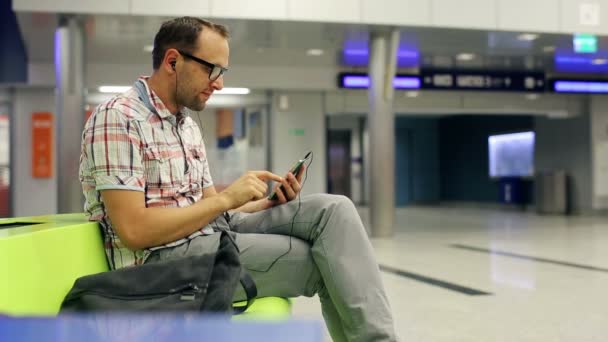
(215, 71)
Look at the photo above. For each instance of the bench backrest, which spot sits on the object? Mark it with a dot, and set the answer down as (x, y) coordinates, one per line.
(39, 263)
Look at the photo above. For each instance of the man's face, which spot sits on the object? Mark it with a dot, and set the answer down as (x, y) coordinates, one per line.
(193, 84)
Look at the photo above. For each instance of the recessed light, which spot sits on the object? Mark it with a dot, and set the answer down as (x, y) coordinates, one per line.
(599, 61)
(532, 97)
(465, 56)
(549, 48)
(148, 48)
(411, 94)
(527, 37)
(314, 52)
(233, 91)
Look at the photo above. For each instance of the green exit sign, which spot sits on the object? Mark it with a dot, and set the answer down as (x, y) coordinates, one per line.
(585, 43)
(298, 132)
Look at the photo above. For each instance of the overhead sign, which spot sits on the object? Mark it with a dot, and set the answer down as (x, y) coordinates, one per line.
(580, 86)
(483, 80)
(455, 80)
(362, 81)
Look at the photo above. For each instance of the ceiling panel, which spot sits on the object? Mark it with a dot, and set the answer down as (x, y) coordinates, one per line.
(116, 39)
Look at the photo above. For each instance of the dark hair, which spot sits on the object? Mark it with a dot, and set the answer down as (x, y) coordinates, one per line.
(181, 33)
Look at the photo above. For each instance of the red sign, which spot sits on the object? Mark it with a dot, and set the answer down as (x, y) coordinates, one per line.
(42, 145)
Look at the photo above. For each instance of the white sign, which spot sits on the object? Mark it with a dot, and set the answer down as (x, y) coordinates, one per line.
(589, 14)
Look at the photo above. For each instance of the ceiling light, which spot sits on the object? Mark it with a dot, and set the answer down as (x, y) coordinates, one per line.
(148, 48)
(599, 61)
(233, 91)
(411, 94)
(314, 52)
(527, 37)
(532, 97)
(465, 56)
(113, 89)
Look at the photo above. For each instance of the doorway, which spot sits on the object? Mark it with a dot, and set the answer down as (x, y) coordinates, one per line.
(339, 162)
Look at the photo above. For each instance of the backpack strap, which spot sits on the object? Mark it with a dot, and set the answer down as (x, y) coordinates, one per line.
(250, 290)
(247, 282)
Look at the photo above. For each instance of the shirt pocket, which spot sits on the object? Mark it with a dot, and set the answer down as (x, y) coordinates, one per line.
(163, 168)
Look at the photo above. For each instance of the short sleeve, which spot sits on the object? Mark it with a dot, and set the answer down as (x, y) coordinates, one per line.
(113, 146)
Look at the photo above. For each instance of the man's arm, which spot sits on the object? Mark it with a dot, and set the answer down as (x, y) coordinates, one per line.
(139, 227)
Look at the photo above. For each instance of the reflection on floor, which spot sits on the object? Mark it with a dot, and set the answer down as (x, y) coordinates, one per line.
(545, 277)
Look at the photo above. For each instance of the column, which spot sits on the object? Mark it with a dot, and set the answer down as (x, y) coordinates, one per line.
(70, 97)
(381, 118)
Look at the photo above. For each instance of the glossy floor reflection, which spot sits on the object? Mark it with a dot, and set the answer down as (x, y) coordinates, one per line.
(547, 276)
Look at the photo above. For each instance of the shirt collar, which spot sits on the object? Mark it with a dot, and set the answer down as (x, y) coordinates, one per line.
(160, 107)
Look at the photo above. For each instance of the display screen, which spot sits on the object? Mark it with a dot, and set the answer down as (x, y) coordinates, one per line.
(511, 155)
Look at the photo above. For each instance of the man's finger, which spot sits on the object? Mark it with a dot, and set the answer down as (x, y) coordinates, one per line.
(261, 187)
(289, 191)
(295, 185)
(301, 173)
(257, 194)
(293, 181)
(267, 175)
(280, 195)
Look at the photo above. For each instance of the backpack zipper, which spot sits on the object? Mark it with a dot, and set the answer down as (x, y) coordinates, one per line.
(190, 291)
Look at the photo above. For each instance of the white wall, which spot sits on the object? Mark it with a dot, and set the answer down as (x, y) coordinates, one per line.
(5, 95)
(31, 196)
(257, 156)
(599, 151)
(305, 113)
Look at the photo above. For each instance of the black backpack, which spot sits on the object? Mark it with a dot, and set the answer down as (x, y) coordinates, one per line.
(197, 283)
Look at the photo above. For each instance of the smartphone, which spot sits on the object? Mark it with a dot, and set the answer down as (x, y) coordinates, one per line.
(295, 170)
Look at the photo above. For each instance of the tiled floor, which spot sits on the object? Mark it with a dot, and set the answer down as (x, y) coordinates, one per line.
(550, 296)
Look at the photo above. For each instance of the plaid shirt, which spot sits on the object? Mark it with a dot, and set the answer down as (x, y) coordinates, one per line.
(127, 146)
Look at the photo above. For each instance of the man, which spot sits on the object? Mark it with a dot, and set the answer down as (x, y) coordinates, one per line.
(146, 179)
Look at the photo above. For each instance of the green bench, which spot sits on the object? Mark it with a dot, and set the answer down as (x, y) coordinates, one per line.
(41, 257)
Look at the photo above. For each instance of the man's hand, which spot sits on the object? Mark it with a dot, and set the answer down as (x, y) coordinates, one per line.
(250, 186)
(289, 188)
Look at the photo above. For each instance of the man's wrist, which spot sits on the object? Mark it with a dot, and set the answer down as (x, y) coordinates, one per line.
(265, 203)
(225, 202)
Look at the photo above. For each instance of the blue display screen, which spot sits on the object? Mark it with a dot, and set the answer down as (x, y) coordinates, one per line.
(511, 155)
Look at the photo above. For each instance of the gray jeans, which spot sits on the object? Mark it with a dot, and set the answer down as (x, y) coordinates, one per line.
(314, 246)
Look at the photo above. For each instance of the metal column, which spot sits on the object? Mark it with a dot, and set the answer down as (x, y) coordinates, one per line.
(382, 67)
(70, 97)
